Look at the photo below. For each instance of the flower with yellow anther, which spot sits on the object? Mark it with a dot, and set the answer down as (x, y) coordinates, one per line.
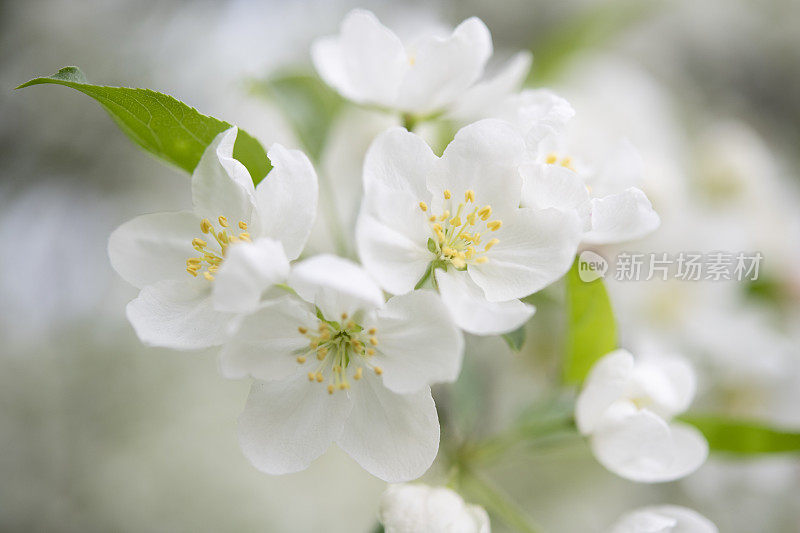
(336, 364)
(605, 192)
(455, 223)
(199, 268)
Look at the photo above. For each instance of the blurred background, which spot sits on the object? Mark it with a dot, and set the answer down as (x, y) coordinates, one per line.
(98, 433)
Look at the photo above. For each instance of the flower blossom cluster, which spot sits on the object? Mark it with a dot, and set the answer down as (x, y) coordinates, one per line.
(346, 352)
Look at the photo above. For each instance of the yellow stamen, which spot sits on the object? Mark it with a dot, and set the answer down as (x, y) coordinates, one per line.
(243, 225)
(455, 221)
(469, 196)
(192, 272)
(223, 221)
(482, 259)
(199, 243)
(205, 225)
(330, 389)
(208, 276)
(494, 225)
(319, 377)
(370, 352)
(491, 243)
(373, 341)
(378, 370)
(372, 331)
(551, 158)
(301, 359)
(447, 194)
(302, 330)
(423, 206)
(358, 374)
(311, 376)
(485, 212)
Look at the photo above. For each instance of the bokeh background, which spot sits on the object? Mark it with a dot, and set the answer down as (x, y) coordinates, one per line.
(98, 433)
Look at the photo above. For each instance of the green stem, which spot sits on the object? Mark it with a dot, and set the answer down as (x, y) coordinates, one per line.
(410, 121)
(499, 504)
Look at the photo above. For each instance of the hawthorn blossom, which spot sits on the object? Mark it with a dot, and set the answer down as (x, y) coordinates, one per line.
(664, 519)
(626, 408)
(336, 364)
(605, 194)
(455, 221)
(369, 64)
(198, 269)
(418, 508)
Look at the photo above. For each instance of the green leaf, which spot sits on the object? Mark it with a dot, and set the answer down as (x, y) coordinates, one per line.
(162, 125)
(588, 30)
(309, 105)
(591, 329)
(743, 436)
(515, 339)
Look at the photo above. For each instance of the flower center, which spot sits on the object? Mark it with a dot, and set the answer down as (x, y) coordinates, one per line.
(212, 255)
(458, 230)
(339, 347)
(553, 159)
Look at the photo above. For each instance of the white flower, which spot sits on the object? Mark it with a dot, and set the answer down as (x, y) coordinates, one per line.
(664, 519)
(460, 215)
(368, 64)
(339, 365)
(605, 194)
(419, 508)
(198, 268)
(626, 407)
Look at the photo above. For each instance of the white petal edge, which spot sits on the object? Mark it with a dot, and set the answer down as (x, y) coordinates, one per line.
(621, 217)
(419, 344)
(606, 383)
(179, 315)
(221, 185)
(286, 199)
(472, 312)
(267, 342)
(335, 285)
(248, 270)
(395, 437)
(154, 247)
(287, 424)
(664, 518)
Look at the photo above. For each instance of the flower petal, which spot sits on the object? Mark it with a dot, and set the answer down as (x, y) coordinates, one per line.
(443, 68)
(418, 342)
(621, 217)
(484, 95)
(287, 424)
(537, 247)
(664, 519)
(554, 186)
(484, 157)
(691, 451)
(286, 199)
(249, 269)
(669, 383)
(178, 314)
(393, 436)
(267, 342)
(400, 161)
(539, 114)
(335, 285)
(606, 383)
(221, 185)
(634, 443)
(391, 234)
(622, 169)
(154, 247)
(366, 62)
(472, 312)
